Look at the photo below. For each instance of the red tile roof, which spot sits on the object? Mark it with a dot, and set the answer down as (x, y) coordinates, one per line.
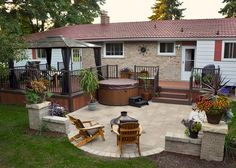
(172, 29)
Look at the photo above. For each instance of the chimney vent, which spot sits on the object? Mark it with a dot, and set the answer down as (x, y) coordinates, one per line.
(105, 19)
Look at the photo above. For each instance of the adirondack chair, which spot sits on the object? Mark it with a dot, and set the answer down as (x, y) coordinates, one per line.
(86, 133)
(128, 133)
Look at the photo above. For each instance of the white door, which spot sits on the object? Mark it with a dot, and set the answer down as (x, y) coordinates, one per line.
(76, 62)
(188, 57)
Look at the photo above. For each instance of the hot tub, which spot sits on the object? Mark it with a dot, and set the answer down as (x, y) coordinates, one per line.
(117, 91)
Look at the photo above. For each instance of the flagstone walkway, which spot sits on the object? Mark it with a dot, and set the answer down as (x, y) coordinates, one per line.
(156, 119)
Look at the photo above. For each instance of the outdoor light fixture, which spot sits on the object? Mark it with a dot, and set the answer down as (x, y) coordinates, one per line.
(177, 46)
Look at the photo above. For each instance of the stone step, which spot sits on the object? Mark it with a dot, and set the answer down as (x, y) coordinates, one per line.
(173, 95)
(171, 100)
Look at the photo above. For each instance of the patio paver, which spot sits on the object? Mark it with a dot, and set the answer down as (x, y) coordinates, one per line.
(156, 119)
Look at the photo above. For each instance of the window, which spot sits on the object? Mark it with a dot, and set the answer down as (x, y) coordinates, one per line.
(114, 50)
(76, 55)
(166, 48)
(41, 53)
(229, 50)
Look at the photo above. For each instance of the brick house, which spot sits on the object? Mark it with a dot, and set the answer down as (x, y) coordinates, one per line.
(176, 46)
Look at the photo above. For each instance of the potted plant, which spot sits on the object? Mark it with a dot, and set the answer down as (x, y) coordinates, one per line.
(143, 77)
(192, 128)
(213, 102)
(197, 78)
(36, 96)
(36, 91)
(89, 84)
(125, 72)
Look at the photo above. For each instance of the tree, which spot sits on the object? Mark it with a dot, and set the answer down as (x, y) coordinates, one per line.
(12, 44)
(39, 15)
(167, 10)
(230, 9)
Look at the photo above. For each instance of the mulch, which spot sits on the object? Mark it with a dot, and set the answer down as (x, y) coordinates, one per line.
(173, 160)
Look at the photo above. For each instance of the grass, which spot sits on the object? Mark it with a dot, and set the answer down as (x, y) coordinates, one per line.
(232, 125)
(23, 150)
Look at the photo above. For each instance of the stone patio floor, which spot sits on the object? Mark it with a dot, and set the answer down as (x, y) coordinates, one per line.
(156, 120)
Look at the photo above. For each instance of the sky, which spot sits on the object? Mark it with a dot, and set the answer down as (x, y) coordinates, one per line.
(140, 10)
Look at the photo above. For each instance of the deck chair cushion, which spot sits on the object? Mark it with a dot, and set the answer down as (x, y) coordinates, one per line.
(92, 131)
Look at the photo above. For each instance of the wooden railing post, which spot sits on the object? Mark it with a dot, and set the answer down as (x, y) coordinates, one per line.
(135, 72)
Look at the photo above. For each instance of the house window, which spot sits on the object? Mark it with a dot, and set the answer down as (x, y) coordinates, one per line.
(41, 53)
(76, 55)
(166, 48)
(114, 50)
(229, 50)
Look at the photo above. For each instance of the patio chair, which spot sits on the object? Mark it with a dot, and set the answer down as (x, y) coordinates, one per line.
(86, 133)
(128, 133)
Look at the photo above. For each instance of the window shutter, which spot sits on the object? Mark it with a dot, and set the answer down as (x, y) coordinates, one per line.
(33, 53)
(218, 50)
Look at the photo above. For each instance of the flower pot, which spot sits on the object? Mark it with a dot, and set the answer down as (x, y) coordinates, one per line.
(146, 96)
(92, 106)
(193, 134)
(124, 74)
(214, 118)
(197, 82)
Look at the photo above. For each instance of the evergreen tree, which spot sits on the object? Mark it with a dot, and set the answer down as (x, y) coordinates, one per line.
(167, 10)
(230, 9)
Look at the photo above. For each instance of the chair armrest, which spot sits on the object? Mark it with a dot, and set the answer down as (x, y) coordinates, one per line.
(92, 127)
(90, 122)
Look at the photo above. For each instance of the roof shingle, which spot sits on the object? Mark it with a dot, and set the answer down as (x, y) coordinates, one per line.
(198, 28)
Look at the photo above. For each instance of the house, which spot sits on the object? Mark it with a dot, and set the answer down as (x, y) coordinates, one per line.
(176, 46)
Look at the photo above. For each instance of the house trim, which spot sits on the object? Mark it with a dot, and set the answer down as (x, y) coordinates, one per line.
(166, 53)
(113, 56)
(223, 49)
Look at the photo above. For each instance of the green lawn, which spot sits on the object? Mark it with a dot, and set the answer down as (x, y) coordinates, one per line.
(21, 150)
(232, 125)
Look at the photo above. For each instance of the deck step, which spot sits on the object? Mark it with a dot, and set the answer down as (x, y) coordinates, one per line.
(171, 100)
(174, 90)
(173, 95)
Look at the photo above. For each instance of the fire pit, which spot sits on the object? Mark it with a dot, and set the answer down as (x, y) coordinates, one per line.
(123, 118)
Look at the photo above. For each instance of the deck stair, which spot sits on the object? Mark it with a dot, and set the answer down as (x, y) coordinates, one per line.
(172, 96)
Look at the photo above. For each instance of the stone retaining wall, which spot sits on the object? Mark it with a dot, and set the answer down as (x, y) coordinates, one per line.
(209, 145)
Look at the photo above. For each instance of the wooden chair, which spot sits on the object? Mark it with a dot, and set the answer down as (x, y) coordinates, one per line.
(86, 134)
(128, 133)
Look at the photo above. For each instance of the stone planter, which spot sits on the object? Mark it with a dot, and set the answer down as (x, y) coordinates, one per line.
(36, 112)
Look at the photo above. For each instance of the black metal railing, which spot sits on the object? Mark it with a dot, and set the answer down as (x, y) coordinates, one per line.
(200, 77)
(18, 77)
(150, 74)
(105, 71)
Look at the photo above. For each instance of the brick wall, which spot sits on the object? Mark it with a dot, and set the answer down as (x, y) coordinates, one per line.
(170, 66)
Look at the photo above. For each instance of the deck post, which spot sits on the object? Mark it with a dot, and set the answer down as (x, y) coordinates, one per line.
(117, 71)
(71, 106)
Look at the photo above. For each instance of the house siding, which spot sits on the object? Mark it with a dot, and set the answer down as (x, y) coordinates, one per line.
(56, 57)
(205, 55)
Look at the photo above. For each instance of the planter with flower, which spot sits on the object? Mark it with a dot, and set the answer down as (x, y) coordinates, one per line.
(36, 95)
(125, 72)
(192, 127)
(144, 81)
(213, 102)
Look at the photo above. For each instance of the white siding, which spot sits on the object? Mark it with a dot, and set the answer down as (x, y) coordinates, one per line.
(205, 55)
(56, 57)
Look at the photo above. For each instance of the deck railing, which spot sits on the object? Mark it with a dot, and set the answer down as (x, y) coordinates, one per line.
(200, 77)
(152, 74)
(18, 77)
